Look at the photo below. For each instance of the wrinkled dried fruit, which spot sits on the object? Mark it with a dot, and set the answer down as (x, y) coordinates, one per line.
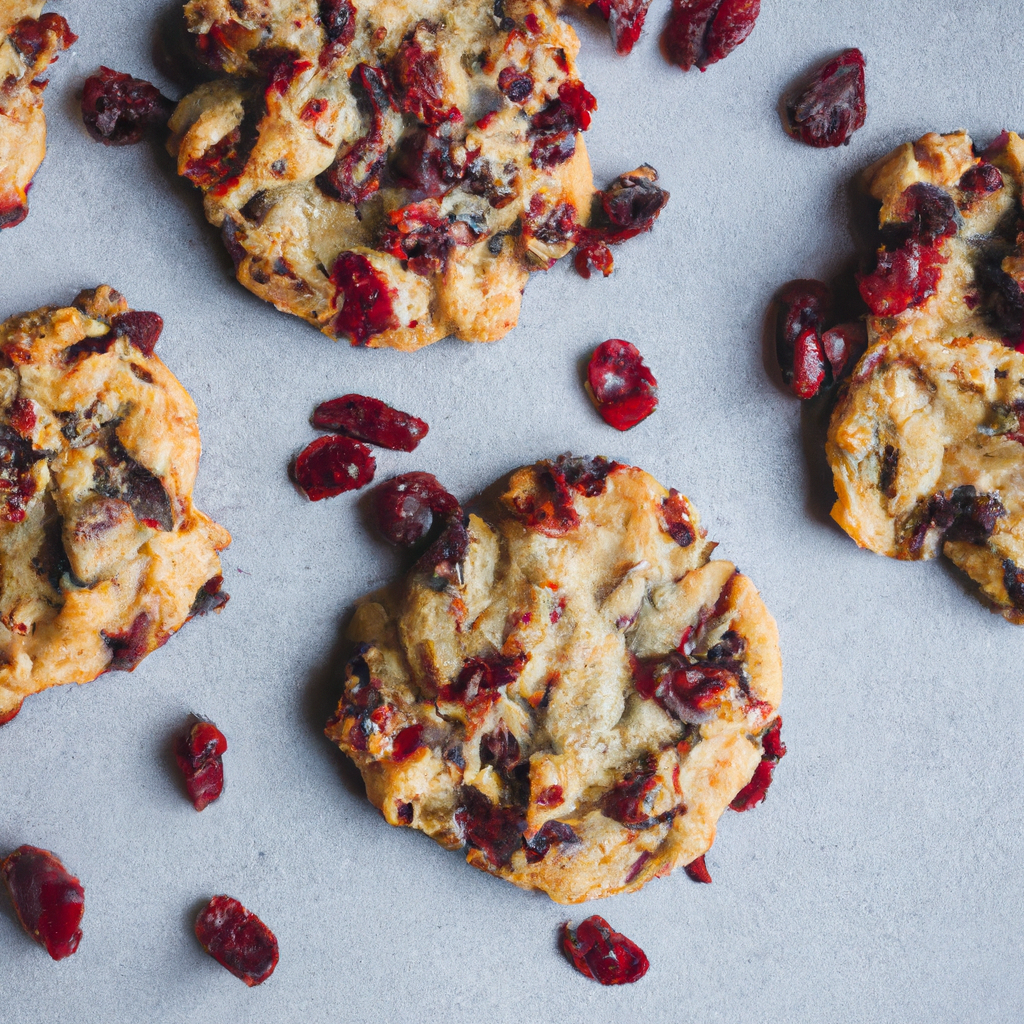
(199, 754)
(801, 306)
(331, 465)
(515, 84)
(830, 107)
(370, 420)
(554, 127)
(142, 329)
(494, 830)
(843, 346)
(623, 388)
(698, 870)
(981, 180)
(772, 751)
(625, 21)
(405, 507)
(594, 255)
(929, 213)
(117, 109)
(602, 954)
(702, 32)
(808, 364)
(902, 278)
(237, 939)
(47, 899)
(964, 514)
(367, 307)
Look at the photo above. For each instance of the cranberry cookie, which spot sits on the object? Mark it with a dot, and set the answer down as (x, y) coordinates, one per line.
(392, 171)
(580, 699)
(926, 442)
(102, 555)
(29, 44)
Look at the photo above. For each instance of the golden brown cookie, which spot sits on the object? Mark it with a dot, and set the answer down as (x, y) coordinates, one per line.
(389, 171)
(29, 44)
(925, 443)
(102, 555)
(580, 700)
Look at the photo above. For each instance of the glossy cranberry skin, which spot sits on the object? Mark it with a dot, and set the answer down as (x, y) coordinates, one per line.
(843, 346)
(702, 32)
(698, 870)
(596, 256)
(801, 305)
(831, 106)
(493, 829)
(198, 753)
(142, 329)
(237, 939)
(405, 507)
(981, 180)
(331, 465)
(370, 420)
(48, 900)
(598, 952)
(772, 751)
(367, 298)
(808, 364)
(624, 389)
(625, 21)
(902, 278)
(118, 109)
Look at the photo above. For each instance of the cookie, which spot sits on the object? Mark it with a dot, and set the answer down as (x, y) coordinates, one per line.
(926, 443)
(102, 555)
(389, 172)
(29, 44)
(580, 700)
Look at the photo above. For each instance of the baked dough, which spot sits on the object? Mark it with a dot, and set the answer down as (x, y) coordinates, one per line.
(102, 555)
(584, 701)
(390, 173)
(28, 46)
(925, 442)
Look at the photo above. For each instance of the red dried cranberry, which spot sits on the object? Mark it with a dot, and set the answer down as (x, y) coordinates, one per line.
(632, 203)
(702, 32)
(422, 162)
(483, 677)
(370, 420)
(48, 900)
(698, 870)
(501, 749)
(199, 757)
(338, 19)
(22, 416)
(405, 507)
(773, 749)
(602, 954)
(930, 213)
(902, 278)
(962, 515)
(281, 67)
(332, 465)
(628, 801)
(808, 364)
(689, 690)
(237, 939)
(624, 389)
(424, 237)
(625, 21)
(981, 180)
(801, 305)
(220, 162)
(406, 743)
(210, 598)
(130, 646)
(17, 484)
(552, 833)
(554, 127)
(552, 796)
(596, 255)
(216, 47)
(417, 78)
(12, 212)
(29, 35)
(495, 830)
(830, 107)
(445, 556)
(117, 109)
(367, 307)
(515, 84)
(140, 328)
(675, 516)
(843, 346)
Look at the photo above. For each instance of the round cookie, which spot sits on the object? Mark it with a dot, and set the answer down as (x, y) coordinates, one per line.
(29, 44)
(102, 555)
(391, 172)
(925, 442)
(581, 700)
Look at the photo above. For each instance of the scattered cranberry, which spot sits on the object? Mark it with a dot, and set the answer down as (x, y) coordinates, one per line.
(843, 346)
(772, 751)
(29, 36)
(594, 255)
(632, 203)
(237, 939)
(624, 389)
(602, 954)
(802, 306)
(333, 464)
(129, 646)
(902, 278)
(625, 21)
(367, 307)
(210, 598)
(494, 830)
(405, 507)
(417, 78)
(830, 107)
(142, 329)
(370, 420)
(47, 899)
(338, 19)
(981, 180)
(424, 237)
(554, 127)
(199, 754)
(12, 212)
(515, 84)
(117, 109)
(964, 514)
(698, 870)
(808, 364)
(702, 32)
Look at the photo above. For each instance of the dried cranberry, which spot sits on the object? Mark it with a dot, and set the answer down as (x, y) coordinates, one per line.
(445, 556)
(808, 364)
(367, 307)
(22, 416)
(501, 749)
(117, 109)
(801, 306)
(237, 939)
(902, 278)
(702, 32)
(624, 389)
(981, 180)
(424, 237)
(515, 84)
(406, 743)
(128, 647)
(48, 900)
(929, 213)
(338, 19)
(12, 212)
(773, 749)
(30, 36)
(962, 515)
(830, 107)
(17, 484)
(551, 833)
(596, 255)
(140, 328)
(625, 21)
(628, 801)
(198, 753)
(281, 67)
(1013, 580)
(688, 690)
(418, 83)
(119, 475)
(554, 127)
(698, 870)
(602, 954)
(422, 162)
(632, 203)
(224, 39)
(405, 507)
(333, 464)
(370, 420)
(675, 516)
(551, 510)
(210, 598)
(588, 476)
(483, 677)
(220, 162)
(843, 346)
(495, 830)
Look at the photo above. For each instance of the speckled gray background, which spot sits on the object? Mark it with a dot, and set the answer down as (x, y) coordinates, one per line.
(881, 880)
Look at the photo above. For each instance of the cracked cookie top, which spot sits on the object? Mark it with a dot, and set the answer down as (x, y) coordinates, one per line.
(580, 701)
(102, 554)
